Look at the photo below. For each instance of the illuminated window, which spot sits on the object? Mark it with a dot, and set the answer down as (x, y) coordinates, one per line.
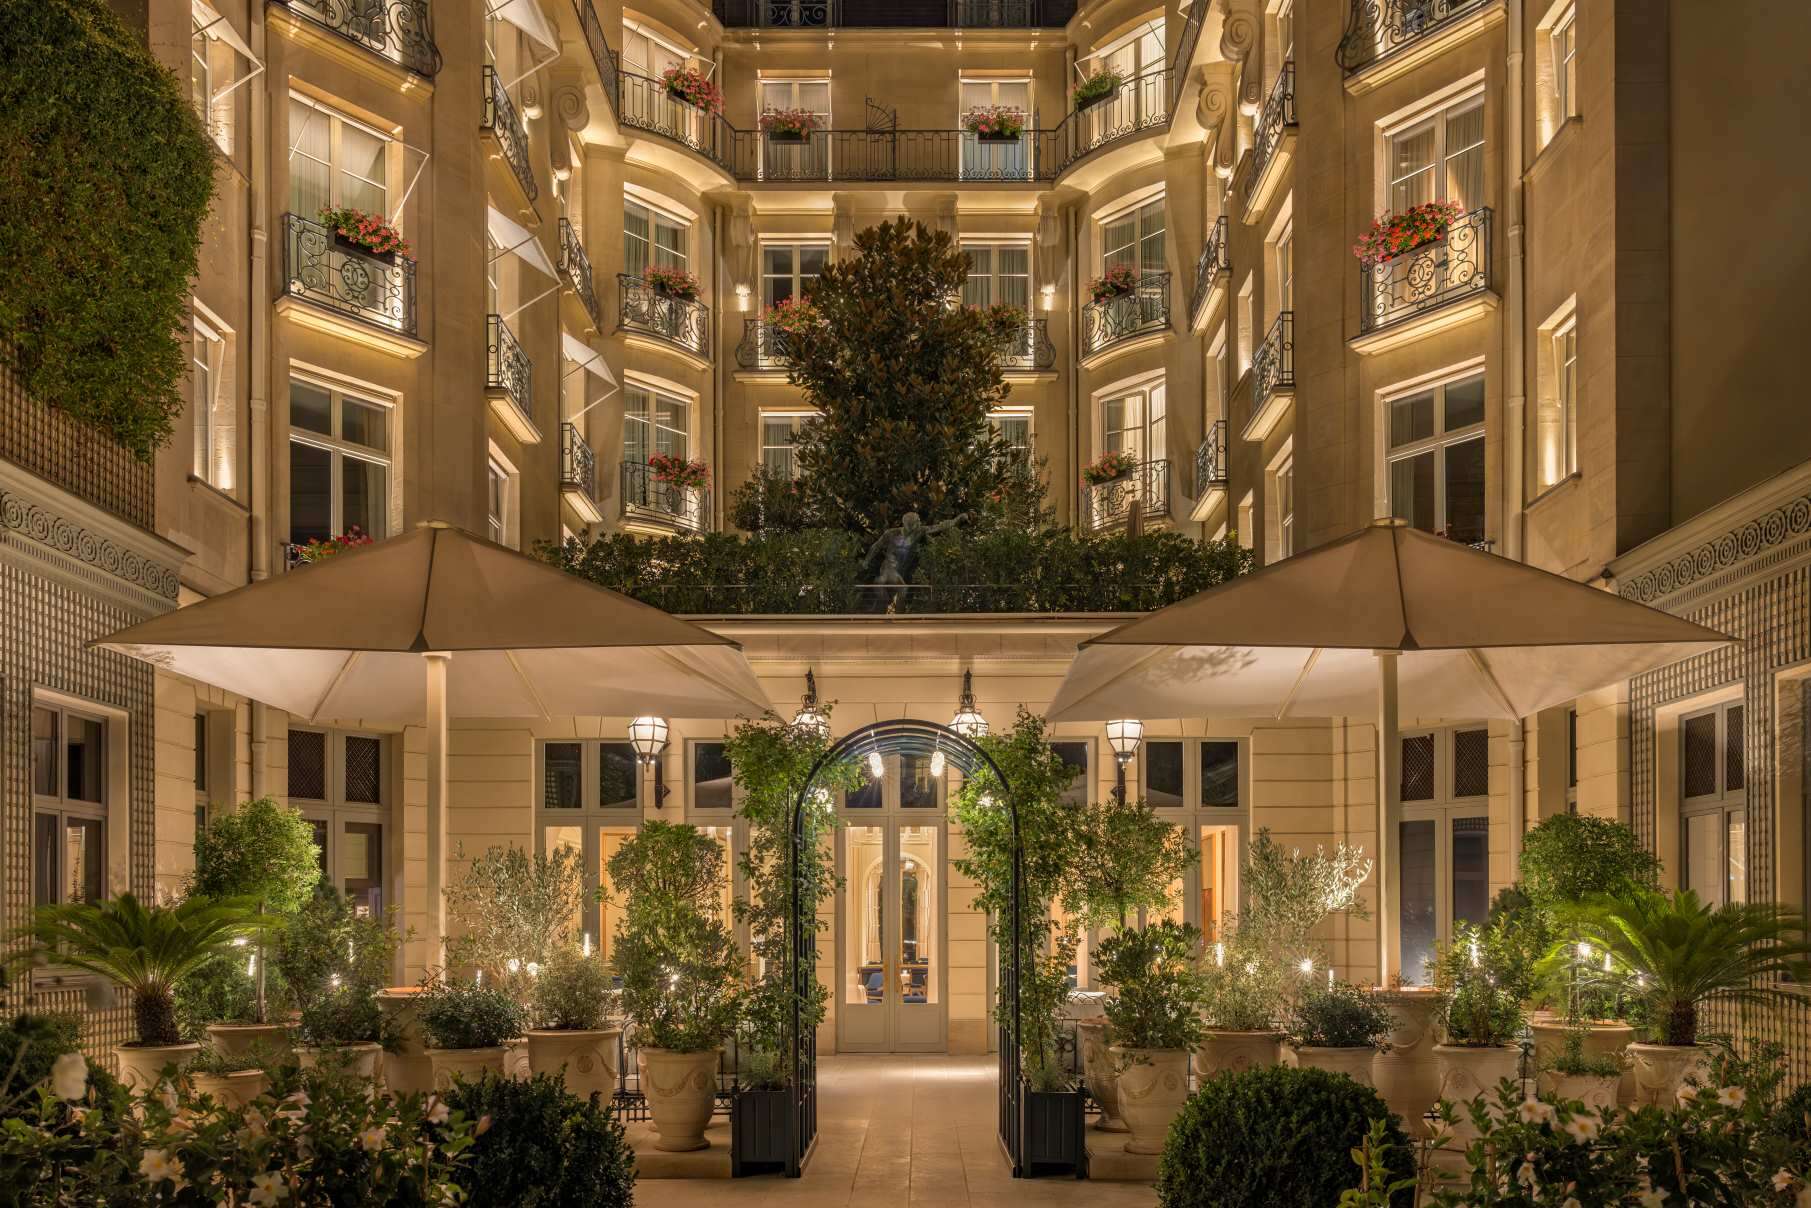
(590, 801)
(339, 780)
(653, 236)
(339, 462)
(1435, 458)
(1563, 39)
(69, 805)
(1444, 840)
(1713, 805)
(212, 406)
(1439, 157)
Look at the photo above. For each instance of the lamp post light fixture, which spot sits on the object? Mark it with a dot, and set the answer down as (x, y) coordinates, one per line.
(1124, 735)
(968, 721)
(811, 716)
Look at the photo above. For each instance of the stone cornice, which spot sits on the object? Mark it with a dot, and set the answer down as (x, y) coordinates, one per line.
(1755, 533)
(56, 534)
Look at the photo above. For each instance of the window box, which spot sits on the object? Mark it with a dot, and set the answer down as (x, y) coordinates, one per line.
(998, 138)
(761, 1131)
(1051, 1131)
(345, 244)
(788, 136)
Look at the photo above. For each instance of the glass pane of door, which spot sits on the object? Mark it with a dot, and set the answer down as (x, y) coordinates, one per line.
(1704, 866)
(362, 866)
(918, 979)
(1219, 878)
(1471, 870)
(1419, 903)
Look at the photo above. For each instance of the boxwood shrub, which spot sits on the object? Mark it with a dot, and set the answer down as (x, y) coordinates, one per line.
(1272, 1138)
(544, 1147)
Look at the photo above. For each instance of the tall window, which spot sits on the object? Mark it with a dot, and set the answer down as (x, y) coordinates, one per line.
(339, 463)
(1014, 427)
(590, 802)
(1444, 840)
(1563, 39)
(654, 423)
(1439, 158)
(1134, 421)
(995, 160)
(496, 513)
(779, 431)
(202, 770)
(1713, 805)
(1282, 502)
(1134, 238)
(1284, 251)
(216, 436)
(652, 236)
(335, 160)
(787, 267)
(1246, 321)
(998, 275)
(1214, 389)
(809, 158)
(340, 783)
(1200, 780)
(1436, 458)
(69, 805)
(1558, 420)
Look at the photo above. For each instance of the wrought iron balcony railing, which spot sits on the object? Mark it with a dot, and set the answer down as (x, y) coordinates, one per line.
(678, 321)
(578, 464)
(645, 104)
(575, 268)
(1273, 364)
(1145, 309)
(1029, 348)
(397, 31)
(603, 59)
(320, 268)
(1277, 116)
(1210, 460)
(893, 14)
(648, 500)
(763, 346)
(1145, 490)
(508, 372)
(505, 125)
(1453, 267)
(1379, 29)
(1212, 263)
(1137, 105)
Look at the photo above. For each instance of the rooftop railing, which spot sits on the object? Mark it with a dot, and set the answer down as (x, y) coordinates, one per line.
(893, 14)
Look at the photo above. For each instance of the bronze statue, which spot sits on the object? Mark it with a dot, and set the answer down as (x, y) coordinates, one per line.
(893, 558)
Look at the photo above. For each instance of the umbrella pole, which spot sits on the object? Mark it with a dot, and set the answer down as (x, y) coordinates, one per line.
(435, 664)
(1389, 820)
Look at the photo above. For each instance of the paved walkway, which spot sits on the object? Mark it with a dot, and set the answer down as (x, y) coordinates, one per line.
(898, 1131)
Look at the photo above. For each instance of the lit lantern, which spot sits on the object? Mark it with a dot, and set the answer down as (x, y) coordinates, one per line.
(1125, 736)
(811, 717)
(648, 735)
(968, 721)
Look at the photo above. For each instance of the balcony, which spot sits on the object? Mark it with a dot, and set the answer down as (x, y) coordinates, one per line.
(1144, 494)
(763, 347)
(1435, 286)
(578, 475)
(1138, 105)
(1273, 145)
(347, 291)
(399, 32)
(1115, 325)
(504, 126)
(652, 319)
(644, 104)
(575, 269)
(651, 504)
(1212, 272)
(1029, 350)
(1210, 470)
(509, 381)
(603, 59)
(1386, 39)
(893, 14)
(1272, 377)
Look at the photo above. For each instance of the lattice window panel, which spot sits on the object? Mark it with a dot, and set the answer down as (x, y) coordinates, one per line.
(364, 769)
(1735, 772)
(1418, 768)
(308, 765)
(1471, 763)
(1698, 738)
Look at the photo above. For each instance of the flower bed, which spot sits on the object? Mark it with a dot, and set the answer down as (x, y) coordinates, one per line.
(679, 472)
(1116, 282)
(1108, 467)
(692, 86)
(1394, 234)
(995, 123)
(671, 282)
(371, 232)
(793, 125)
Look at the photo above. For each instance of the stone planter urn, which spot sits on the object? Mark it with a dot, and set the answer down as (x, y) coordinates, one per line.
(406, 1068)
(1236, 1051)
(1406, 1074)
(141, 1066)
(1153, 1086)
(231, 1090)
(357, 1060)
(1661, 1069)
(247, 1039)
(586, 1060)
(1468, 1072)
(681, 1089)
(1100, 1072)
(1354, 1063)
(1601, 1039)
(1598, 1092)
(469, 1064)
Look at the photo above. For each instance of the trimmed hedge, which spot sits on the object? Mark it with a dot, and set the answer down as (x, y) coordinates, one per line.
(105, 179)
(543, 1147)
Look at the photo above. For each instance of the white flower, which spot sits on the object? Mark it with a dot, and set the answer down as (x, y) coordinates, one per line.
(1732, 1096)
(1783, 1179)
(1687, 1094)
(1533, 1111)
(69, 1076)
(1583, 1127)
(1524, 1173)
(268, 1188)
(1571, 1201)
(157, 1165)
(373, 1138)
(438, 1112)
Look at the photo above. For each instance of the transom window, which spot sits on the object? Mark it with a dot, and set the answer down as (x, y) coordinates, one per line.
(787, 267)
(1439, 157)
(69, 805)
(339, 780)
(653, 236)
(1134, 421)
(1713, 804)
(654, 422)
(1444, 840)
(1436, 458)
(339, 462)
(1134, 238)
(335, 160)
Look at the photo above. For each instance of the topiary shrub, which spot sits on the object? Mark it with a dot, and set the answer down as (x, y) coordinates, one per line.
(543, 1147)
(105, 178)
(1264, 1138)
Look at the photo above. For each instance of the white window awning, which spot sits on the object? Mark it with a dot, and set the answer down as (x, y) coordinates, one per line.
(211, 25)
(511, 236)
(587, 358)
(526, 15)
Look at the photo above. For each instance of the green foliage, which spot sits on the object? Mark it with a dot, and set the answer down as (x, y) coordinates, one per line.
(1277, 1136)
(1244, 990)
(329, 938)
(511, 910)
(544, 1148)
(902, 382)
(572, 994)
(29, 1048)
(679, 964)
(1791, 1122)
(1159, 988)
(1125, 860)
(264, 852)
(224, 990)
(1571, 857)
(148, 950)
(768, 501)
(1340, 1016)
(106, 176)
(465, 1015)
(218, 1061)
(1575, 1060)
(1479, 1004)
(1010, 569)
(348, 1014)
(1289, 895)
(1380, 1179)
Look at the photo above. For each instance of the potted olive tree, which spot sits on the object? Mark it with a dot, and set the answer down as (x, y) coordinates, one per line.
(512, 911)
(572, 1037)
(1155, 1009)
(680, 972)
(1339, 1028)
(467, 1026)
(1480, 1017)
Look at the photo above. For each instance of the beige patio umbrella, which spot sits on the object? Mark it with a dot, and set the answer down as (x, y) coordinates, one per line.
(439, 623)
(1389, 622)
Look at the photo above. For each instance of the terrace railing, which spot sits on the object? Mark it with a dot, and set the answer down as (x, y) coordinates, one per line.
(1379, 29)
(397, 31)
(1112, 320)
(505, 125)
(1145, 490)
(645, 498)
(683, 323)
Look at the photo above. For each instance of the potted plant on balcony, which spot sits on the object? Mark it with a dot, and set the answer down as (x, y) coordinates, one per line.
(467, 1027)
(995, 123)
(789, 125)
(319, 551)
(1339, 1028)
(1480, 1016)
(1096, 88)
(693, 87)
(1158, 992)
(680, 473)
(1117, 282)
(572, 1038)
(1395, 234)
(370, 234)
(680, 970)
(674, 283)
(1109, 467)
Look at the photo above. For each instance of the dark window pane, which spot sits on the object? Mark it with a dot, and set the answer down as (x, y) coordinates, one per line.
(1163, 773)
(1735, 769)
(1411, 419)
(1075, 756)
(617, 776)
(1418, 768)
(365, 502)
(310, 493)
(1471, 870)
(917, 787)
(870, 796)
(561, 762)
(85, 760)
(201, 818)
(365, 424)
(711, 778)
(45, 830)
(308, 764)
(44, 752)
(1465, 491)
(362, 862)
(1471, 763)
(1419, 926)
(1412, 490)
(1219, 773)
(310, 407)
(83, 849)
(364, 769)
(1571, 748)
(201, 752)
(1700, 743)
(1465, 403)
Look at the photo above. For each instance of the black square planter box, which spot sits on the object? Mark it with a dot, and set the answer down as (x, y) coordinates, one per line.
(760, 1132)
(785, 136)
(1051, 1125)
(997, 138)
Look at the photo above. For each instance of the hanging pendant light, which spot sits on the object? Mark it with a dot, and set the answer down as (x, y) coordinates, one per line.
(811, 717)
(968, 721)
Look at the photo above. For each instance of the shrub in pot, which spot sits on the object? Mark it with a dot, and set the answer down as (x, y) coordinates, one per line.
(1339, 1028)
(544, 1146)
(1275, 1136)
(1243, 995)
(1577, 1072)
(572, 1039)
(512, 912)
(1567, 860)
(1480, 1019)
(234, 1078)
(345, 1029)
(1155, 1010)
(466, 1027)
(329, 943)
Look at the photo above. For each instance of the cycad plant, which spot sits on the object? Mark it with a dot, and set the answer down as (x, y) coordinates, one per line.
(146, 949)
(1681, 953)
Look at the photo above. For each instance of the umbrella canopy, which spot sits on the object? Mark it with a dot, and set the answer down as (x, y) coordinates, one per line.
(343, 640)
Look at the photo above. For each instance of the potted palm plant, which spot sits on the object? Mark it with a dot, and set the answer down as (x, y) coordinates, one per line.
(1339, 1028)
(572, 1037)
(680, 970)
(1155, 1010)
(1480, 1018)
(1678, 954)
(147, 950)
(467, 1027)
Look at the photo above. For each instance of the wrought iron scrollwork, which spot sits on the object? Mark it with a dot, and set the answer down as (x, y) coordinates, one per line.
(400, 31)
(647, 499)
(507, 369)
(505, 125)
(1146, 489)
(1029, 348)
(1139, 104)
(1377, 29)
(1212, 262)
(318, 268)
(1455, 265)
(602, 57)
(643, 309)
(575, 268)
(1210, 460)
(578, 464)
(1277, 116)
(763, 346)
(1145, 309)
(1273, 364)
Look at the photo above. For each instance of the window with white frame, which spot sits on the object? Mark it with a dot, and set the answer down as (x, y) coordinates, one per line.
(654, 422)
(339, 462)
(998, 275)
(499, 512)
(212, 58)
(69, 794)
(1198, 783)
(1013, 426)
(1133, 420)
(1008, 160)
(1130, 56)
(1435, 457)
(340, 781)
(779, 432)
(1134, 238)
(786, 268)
(1246, 321)
(810, 95)
(1444, 840)
(711, 798)
(1283, 256)
(212, 401)
(1713, 804)
(590, 802)
(336, 160)
(652, 236)
(1556, 419)
(1562, 39)
(1282, 505)
(646, 53)
(809, 157)
(1285, 33)
(1438, 157)
(1214, 387)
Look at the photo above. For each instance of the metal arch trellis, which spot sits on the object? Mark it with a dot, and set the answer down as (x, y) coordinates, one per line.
(898, 737)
